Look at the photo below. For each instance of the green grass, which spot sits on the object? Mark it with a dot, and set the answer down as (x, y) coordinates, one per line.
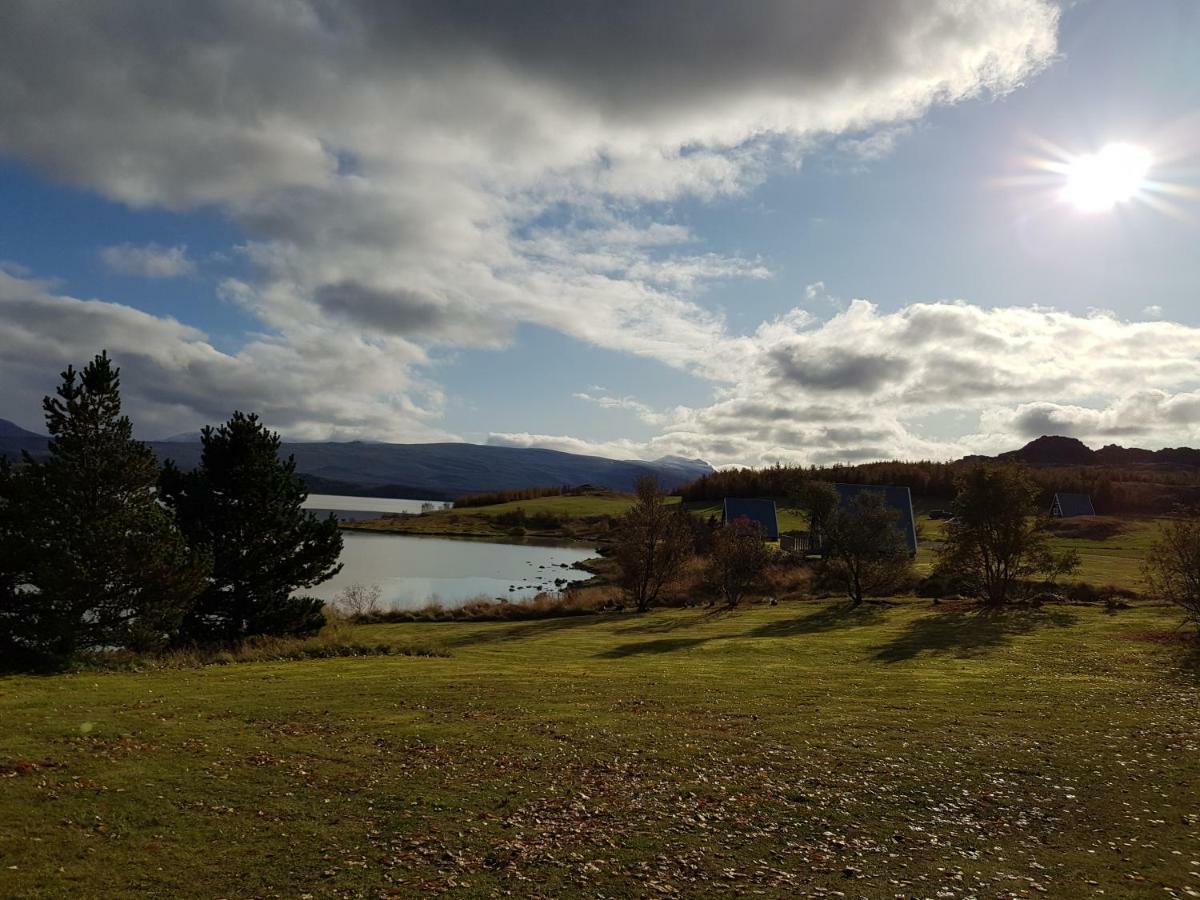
(600, 504)
(478, 521)
(1117, 559)
(903, 750)
(1114, 560)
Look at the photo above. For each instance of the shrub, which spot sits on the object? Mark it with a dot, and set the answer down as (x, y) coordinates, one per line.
(488, 609)
(358, 600)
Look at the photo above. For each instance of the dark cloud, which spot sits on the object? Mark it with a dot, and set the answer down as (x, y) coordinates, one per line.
(397, 311)
(840, 369)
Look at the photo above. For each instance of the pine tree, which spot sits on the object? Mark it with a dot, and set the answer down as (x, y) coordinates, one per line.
(101, 564)
(245, 505)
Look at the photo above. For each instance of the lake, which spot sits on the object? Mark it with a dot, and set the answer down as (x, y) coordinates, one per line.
(413, 571)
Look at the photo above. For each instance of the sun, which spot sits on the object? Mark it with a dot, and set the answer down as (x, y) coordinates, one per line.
(1100, 181)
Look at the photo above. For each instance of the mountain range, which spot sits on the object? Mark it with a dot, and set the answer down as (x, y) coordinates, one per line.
(422, 471)
(447, 470)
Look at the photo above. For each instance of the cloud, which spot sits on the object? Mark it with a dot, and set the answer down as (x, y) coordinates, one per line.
(415, 175)
(618, 449)
(646, 413)
(853, 387)
(875, 145)
(307, 384)
(148, 261)
(1145, 416)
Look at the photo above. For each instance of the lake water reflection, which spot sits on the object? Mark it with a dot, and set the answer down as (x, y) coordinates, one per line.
(412, 571)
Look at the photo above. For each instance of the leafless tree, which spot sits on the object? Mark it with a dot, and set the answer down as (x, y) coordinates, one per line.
(1172, 567)
(738, 559)
(357, 600)
(655, 539)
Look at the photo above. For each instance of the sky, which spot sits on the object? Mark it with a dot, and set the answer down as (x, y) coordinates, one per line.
(818, 232)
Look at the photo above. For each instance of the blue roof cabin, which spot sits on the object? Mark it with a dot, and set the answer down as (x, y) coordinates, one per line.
(898, 498)
(760, 511)
(1068, 506)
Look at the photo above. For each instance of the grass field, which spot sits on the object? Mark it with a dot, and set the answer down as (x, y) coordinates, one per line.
(478, 521)
(907, 750)
(1104, 558)
(599, 504)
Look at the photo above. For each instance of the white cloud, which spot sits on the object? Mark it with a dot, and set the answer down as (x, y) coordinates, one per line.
(854, 387)
(148, 261)
(618, 449)
(1154, 311)
(875, 145)
(605, 401)
(414, 175)
(307, 383)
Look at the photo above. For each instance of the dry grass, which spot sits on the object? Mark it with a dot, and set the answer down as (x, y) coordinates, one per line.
(577, 602)
(338, 639)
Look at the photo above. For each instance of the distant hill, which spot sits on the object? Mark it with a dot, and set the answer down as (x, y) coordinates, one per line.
(429, 471)
(14, 431)
(14, 439)
(1053, 450)
(1056, 450)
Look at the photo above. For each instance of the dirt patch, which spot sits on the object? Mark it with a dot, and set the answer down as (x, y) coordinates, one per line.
(26, 767)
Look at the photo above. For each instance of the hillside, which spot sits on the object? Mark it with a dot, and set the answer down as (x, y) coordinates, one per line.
(1056, 450)
(426, 471)
(1052, 450)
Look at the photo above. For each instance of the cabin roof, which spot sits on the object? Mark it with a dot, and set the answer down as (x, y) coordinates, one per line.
(897, 497)
(1070, 505)
(760, 511)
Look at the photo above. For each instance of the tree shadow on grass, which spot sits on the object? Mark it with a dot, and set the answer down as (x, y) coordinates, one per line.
(663, 645)
(969, 633)
(1189, 662)
(824, 618)
(674, 623)
(500, 631)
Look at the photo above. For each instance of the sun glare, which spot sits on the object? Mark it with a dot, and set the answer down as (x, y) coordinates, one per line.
(1099, 181)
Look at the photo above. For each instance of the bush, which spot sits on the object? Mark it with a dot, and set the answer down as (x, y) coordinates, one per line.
(488, 609)
(947, 584)
(357, 600)
(1082, 592)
